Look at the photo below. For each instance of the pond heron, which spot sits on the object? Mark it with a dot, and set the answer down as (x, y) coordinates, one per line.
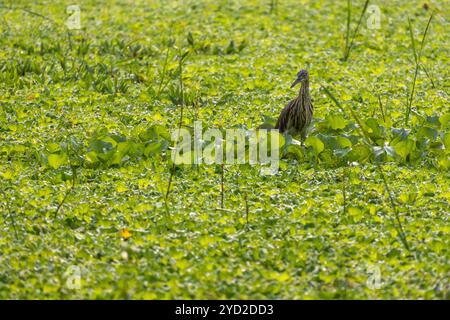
(296, 116)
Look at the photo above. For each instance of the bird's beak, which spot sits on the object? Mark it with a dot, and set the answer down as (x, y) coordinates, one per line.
(295, 82)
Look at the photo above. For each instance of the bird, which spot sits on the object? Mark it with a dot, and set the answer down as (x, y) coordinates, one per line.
(295, 118)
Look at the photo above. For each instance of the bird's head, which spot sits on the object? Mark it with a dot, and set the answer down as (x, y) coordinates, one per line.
(302, 75)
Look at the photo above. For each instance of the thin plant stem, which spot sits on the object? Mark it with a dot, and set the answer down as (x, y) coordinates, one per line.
(180, 122)
(399, 227)
(344, 189)
(246, 207)
(222, 180)
(428, 75)
(347, 33)
(417, 56)
(74, 177)
(348, 47)
(380, 104)
(163, 75)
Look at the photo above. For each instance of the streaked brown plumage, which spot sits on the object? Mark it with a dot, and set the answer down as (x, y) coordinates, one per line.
(296, 116)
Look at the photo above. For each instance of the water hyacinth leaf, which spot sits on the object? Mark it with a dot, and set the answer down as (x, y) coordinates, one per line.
(422, 145)
(117, 158)
(91, 157)
(445, 120)
(329, 141)
(162, 132)
(316, 144)
(356, 213)
(447, 140)
(149, 134)
(360, 153)
(399, 135)
(428, 133)
(116, 138)
(100, 146)
(294, 151)
(53, 147)
(407, 197)
(336, 122)
(444, 162)
(374, 129)
(379, 153)
(124, 147)
(353, 138)
(121, 153)
(153, 148)
(55, 160)
(433, 121)
(404, 148)
(344, 142)
(136, 149)
(389, 151)
(341, 153)
(435, 146)
(106, 156)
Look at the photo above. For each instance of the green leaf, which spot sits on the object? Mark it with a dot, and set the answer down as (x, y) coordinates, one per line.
(344, 142)
(316, 144)
(55, 160)
(447, 140)
(427, 132)
(329, 141)
(374, 129)
(153, 148)
(162, 132)
(444, 162)
(155, 133)
(360, 153)
(294, 151)
(404, 148)
(53, 147)
(390, 151)
(342, 152)
(399, 135)
(336, 122)
(356, 213)
(433, 121)
(100, 146)
(445, 120)
(91, 157)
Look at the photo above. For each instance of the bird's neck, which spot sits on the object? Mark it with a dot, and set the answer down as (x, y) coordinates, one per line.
(304, 89)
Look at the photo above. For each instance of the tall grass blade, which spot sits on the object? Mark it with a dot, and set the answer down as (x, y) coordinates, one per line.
(417, 57)
(181, 58)
(413, 42)
(355, 32)
(399, 227)
(425, 34)
(347, 32)
(380, 104)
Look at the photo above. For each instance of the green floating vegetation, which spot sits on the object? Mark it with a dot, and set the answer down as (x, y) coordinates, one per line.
(93, 207)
